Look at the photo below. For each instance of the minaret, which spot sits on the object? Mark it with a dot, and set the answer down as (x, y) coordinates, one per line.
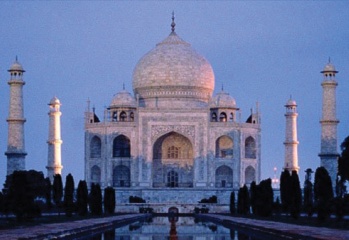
(291, 142)
(15, 142)
(329, 122)
(54, 142)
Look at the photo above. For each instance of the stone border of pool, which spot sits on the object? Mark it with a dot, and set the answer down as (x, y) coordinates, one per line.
(69, 229)
(282, 229)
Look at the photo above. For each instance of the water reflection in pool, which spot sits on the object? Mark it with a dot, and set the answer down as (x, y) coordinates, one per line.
(182, 228)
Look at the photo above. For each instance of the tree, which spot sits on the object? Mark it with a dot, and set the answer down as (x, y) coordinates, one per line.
(95, 199)
(20, 191)
(323, 192)
(2, 202)
(48, 193)
(253, 196)
(343, 168)
(285, 193)
(82, 198)
(308, 193)
(109, 200)
(57, 190)
(277, 206)
(296, 197)
(243, 200)
(20, 196)
(232, 203)
(264, 198)
(69, 195)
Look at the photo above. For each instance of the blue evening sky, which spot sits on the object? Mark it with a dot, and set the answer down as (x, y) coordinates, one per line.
(260, 51)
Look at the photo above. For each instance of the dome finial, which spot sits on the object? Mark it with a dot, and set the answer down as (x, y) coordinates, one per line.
(16, 58)
(222, 87)
(123, 86)
(173, 24)
(329, 59)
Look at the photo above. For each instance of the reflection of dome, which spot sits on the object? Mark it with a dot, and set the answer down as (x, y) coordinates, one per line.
(123, 99)
(16, 66)
(173, 69)
(55, 101)
(223, 99)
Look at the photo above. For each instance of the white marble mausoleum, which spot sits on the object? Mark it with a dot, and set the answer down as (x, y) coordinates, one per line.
(172, 140)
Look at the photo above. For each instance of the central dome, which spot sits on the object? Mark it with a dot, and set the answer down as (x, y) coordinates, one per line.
(173, 70)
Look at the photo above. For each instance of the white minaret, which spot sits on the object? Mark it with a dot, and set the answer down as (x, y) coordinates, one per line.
(15, 142)
(54, 142)
(291, 142)
(329, 122)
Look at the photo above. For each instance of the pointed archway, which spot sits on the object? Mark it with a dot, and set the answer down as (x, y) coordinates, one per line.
(173, 161)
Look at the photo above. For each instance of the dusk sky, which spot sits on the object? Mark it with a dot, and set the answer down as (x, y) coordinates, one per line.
(260, 51)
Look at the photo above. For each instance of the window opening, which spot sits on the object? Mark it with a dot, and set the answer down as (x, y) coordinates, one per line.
(123, 116)
(172, 152)
(223, 117)
(115, 116)
(214, 117)
(121, 147)
(232, 117)
(172, 179)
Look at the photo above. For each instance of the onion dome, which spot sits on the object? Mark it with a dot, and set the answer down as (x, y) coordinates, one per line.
(291, 103)
(16, 66)
(123, 99)
(55, 101)
(223, 100)
(329, 68)
(173, 70)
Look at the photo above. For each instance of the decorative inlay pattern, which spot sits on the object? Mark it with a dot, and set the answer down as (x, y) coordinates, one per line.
(187, 130)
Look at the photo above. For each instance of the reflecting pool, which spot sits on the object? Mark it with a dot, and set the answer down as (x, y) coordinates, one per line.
(177, 228)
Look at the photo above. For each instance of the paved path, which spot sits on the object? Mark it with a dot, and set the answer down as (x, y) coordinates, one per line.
(61, 230)
(298, 231)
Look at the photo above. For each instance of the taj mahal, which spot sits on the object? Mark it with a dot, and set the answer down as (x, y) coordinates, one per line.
(172, 140)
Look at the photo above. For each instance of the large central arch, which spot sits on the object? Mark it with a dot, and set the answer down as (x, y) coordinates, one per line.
(173, 161)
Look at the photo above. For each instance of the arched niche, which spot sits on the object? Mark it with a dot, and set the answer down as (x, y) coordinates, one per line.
(173, 152)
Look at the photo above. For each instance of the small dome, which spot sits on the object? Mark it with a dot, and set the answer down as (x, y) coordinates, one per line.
(291, 102)
(223, 100)
(55, 101)
(123, 99)
(329, 68)
(16, 66)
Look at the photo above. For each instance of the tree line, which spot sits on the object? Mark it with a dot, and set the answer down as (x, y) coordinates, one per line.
(26, 194)
(317, 197)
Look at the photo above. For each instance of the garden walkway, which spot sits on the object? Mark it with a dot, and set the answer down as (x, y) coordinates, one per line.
(66, 229)
(280, 229)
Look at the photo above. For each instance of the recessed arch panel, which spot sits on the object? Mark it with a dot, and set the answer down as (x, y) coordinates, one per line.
(224, 147)
(95, 174)
(95, 147)
(250, 147)
(173, 152)
(224, 176)
(121, 147)
(250, 175)
(121, 176)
